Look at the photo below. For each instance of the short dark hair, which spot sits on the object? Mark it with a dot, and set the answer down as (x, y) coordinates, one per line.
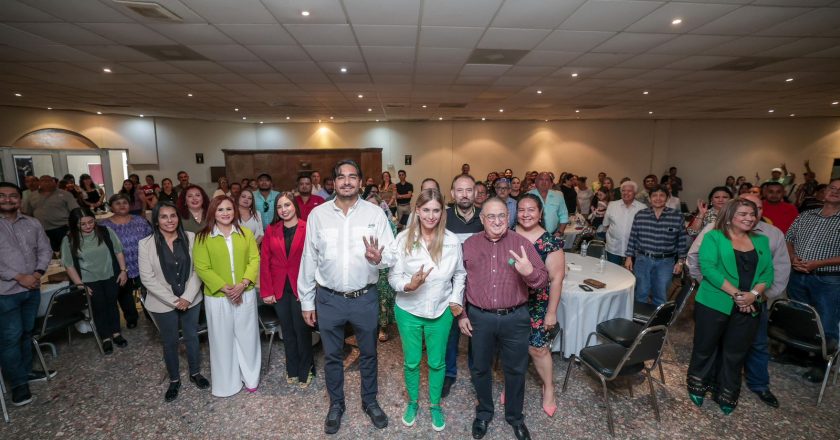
(118, 196)
(303, 176)
(11, 185)
(720, 189)
(769, 184)
(181, 172)
(659, 188)
(149, 175)
(650, 176)
(401, 171)
(266, 175)
(350, 162)
(461, 176)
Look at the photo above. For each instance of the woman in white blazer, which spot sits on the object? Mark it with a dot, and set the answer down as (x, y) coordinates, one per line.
(166, 270)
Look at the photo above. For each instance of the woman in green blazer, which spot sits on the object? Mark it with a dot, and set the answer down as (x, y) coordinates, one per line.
(227, 260)
(737, 267)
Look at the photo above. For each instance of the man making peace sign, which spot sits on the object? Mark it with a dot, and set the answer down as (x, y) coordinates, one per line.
(500, 265)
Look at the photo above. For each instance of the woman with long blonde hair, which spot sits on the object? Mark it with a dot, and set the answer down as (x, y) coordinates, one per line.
(429, 277)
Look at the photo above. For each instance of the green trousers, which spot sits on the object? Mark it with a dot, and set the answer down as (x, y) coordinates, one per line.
(436, 332)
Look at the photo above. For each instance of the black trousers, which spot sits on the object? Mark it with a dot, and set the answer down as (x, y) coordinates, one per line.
(721, 344)
(169, 324)
(507, 334)
(56, 236)
(103, 302)
(125, 297)
(297, 337)
(362, 313)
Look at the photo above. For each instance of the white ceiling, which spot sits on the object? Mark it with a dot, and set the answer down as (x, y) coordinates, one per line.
(265, 58)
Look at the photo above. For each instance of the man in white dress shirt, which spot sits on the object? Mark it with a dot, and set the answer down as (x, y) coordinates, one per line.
(342, 255)
(618, 221)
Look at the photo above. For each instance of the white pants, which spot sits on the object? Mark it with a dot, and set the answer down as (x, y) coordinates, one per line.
(234, 343)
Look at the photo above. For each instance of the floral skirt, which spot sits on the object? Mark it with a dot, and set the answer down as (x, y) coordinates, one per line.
(387, 298)
(537, 305)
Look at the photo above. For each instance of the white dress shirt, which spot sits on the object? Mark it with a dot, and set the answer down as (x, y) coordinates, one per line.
(334, 252)
(618, 221)
(444, 284)
(255, 225)
(778, 248)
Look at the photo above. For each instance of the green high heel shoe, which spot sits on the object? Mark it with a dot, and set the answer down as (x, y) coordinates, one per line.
(698, 400)
(727, 410)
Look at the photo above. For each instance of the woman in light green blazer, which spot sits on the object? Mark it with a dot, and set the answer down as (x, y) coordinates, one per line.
(227, 260)
(737, 267)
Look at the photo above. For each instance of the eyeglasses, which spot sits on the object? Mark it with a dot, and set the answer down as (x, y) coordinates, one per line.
(494, 217)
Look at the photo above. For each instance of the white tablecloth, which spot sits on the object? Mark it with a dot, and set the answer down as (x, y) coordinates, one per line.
(580, 311)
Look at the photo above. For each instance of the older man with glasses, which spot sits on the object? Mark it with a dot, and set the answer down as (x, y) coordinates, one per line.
(502, 187)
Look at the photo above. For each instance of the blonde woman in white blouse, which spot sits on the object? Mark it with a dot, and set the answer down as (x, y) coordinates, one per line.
(429, 278)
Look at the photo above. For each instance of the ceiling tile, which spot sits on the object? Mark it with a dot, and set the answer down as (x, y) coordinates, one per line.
(484, 69)
(65, 33)
(231, 12)
(115, 53)
(608, 15)
(693, 15)
(691, 44)
(444, 36)
(811, 23)
(801, 47)
(547, 58)
(279, 53)
(193, 33)
(459, 13)
(348, 54)
(334, 67)
(373, 35)
(699, 62)
(599, 59)
(152, 67)
(507, 38)
(265, 34)
(79, 11)
(442, 55)
(749, 19)
(321, 11)
(388, 54)
(403, 12)
(574, 41)
(14, 10)
(127, 33)
(626, 42)
(748, 46)
(390, 68)
(322, 34)
(226, 52)
(247, 66)
(529, 14)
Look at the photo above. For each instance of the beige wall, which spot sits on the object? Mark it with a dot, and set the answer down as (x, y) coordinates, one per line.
(705, 151)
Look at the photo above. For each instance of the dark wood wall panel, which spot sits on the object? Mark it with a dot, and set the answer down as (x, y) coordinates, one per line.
(285, 165)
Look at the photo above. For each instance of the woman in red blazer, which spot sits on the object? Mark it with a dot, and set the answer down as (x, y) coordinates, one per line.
(282, 249)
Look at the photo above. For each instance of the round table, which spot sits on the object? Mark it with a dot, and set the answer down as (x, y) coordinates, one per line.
(580, 311)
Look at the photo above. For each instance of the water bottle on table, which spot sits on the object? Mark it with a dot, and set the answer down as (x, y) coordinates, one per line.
(583, 248)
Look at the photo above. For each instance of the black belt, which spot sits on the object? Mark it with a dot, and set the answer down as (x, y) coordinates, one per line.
(659, 255)
(351, 295)
(500, 312)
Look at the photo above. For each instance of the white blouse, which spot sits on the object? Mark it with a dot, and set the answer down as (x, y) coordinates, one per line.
(255, 225)
(445, 283)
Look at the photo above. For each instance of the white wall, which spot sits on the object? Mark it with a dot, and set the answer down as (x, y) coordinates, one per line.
(705, 151)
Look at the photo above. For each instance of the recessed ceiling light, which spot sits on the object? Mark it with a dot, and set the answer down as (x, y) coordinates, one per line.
(676, 21)
(106, 69)
(771, 111)
(370, 109)
(645, 92)
(546, 120)
(18, 95)
(574, 75)
(789, 80)
(98, 113)
(142, 116)
(440, 119)
(360, 96)
(244, 118)
(261, 122)
(189, 95)
(49, 108)
(539, 92)
(577, 111)
(835, 103)
(501, 110)
(331, 118)
(650, 113)
(343, 70)
(236, 109)
(304, 13)
(288, 117)
(792, 115)
(483, 119)
(377, 120)
(424, 106)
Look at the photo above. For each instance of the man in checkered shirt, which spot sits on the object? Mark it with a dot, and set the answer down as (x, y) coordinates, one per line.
(813, 242)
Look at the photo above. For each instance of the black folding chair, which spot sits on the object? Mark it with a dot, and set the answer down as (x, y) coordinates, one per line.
(3, 398)
(611, 360)
(596, 248)
(68, 305)
(270, 325)
(798, 325)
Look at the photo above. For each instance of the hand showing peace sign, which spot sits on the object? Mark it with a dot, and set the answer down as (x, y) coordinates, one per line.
(373, 252)
(521, 262)
(417, 279)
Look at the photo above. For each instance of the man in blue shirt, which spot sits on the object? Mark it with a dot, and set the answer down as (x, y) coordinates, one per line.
(264, 199)
(555, 214)
(502, 187)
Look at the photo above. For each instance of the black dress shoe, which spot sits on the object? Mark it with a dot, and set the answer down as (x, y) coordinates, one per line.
(479, 428)
(377, 416)
(521, 432)
(120, 341)
(448, 381)
(131, 324)
(21, 395)
(333, 421)
(200, 381)
(768, 398)
(107, 346)
(172, 391)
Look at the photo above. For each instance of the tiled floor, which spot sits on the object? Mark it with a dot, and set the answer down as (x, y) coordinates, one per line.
(121, 397)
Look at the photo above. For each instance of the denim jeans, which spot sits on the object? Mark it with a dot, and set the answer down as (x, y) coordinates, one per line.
(653, 276)
(755, 367)
(822, 293)
(17, 319)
